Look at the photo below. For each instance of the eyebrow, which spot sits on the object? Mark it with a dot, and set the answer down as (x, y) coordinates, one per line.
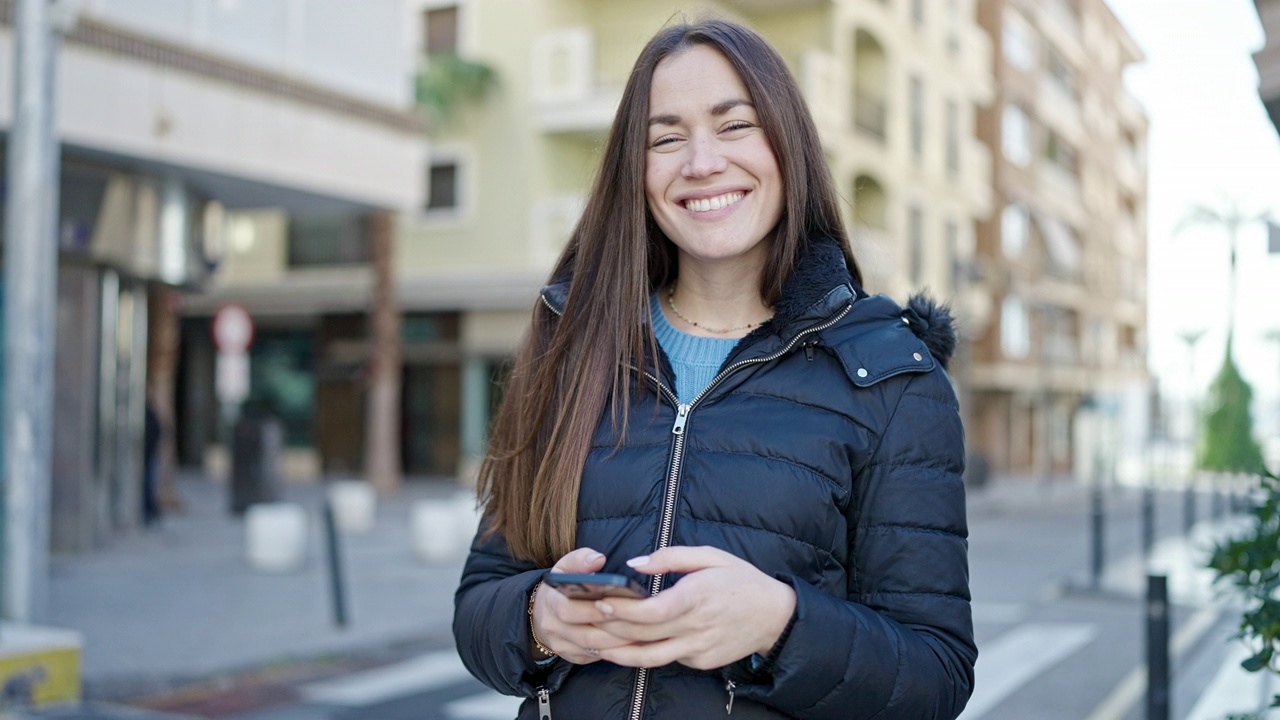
(716, 111)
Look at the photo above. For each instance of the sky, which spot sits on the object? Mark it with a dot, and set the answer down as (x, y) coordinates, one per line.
(1210, 143)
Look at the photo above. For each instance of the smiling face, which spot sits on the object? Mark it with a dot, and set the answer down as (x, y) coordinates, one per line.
(711, 178)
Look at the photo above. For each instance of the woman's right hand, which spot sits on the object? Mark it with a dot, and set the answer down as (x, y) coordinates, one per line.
(569, 627)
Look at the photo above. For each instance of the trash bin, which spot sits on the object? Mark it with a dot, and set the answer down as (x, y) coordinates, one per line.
(977, 470)
(256, 443)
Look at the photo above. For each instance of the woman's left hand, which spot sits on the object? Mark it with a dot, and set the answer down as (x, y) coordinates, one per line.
(721, 611)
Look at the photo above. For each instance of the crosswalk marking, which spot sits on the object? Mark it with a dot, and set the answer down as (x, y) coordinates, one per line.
(998, 613)
(417, 675)
(1233, 690)
(1019, 655)
(485, 706)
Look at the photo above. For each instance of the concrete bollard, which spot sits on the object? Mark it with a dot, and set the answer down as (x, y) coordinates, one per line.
(276, 536)
(442, 528)
(354, 505)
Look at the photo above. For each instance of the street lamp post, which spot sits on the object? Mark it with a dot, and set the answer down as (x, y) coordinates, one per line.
(1191, 338)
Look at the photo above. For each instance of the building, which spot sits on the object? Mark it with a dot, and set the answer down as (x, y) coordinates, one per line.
(894, 87)
(1064, 254)
(173, 117)
(1268, 60)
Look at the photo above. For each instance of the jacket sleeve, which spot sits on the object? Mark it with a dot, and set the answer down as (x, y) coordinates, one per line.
(491, 621)
(901, 645)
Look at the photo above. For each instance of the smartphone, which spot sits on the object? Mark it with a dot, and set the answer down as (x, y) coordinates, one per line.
(594, 586)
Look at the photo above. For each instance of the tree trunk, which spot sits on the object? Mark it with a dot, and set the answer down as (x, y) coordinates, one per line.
(164, 315)
(382, 463)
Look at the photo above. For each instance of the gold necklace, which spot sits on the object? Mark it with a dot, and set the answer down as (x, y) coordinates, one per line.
(671, 300)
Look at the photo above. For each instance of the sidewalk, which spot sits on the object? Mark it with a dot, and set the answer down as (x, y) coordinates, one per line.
(177, 615)
(179, 603)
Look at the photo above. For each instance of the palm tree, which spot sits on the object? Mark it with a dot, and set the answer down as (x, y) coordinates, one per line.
(1227, 442)
(443, 84)
(1230, 217)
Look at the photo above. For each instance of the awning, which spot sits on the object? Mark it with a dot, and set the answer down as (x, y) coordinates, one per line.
(1061, 242)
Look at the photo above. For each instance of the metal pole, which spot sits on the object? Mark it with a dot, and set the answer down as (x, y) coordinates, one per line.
(1188, 507)
(1157, 648)
(1096, 550)
(335, 566)
(30, 272)
(1148, 519)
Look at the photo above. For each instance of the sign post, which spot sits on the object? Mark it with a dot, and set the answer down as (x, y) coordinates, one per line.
(232, 336)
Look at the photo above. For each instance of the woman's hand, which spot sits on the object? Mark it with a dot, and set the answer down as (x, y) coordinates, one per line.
(571, 627)
(723, 610)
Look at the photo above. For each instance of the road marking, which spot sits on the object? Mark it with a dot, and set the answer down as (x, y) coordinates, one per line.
(1234, 689)
(485, 706)
(1018, 656)
(417, 675)
(1116, 706)
(998, 613)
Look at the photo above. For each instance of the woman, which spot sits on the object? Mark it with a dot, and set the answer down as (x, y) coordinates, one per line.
(707, 396)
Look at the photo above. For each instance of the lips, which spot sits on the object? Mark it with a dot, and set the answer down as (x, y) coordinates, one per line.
(715, 202)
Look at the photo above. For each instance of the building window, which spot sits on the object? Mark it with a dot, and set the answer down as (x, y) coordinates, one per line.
(326, 240)
(951, 231)
(953, 139)
(443, 180)
(1015, 229)
(1018, 41)
(440, 30)
(1061, 154)
(917, 119)
(1015, 136)
(1015, 328)
(915, 235)
(1061, 74)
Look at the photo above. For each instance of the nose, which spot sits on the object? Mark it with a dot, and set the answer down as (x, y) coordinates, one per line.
(704, 158)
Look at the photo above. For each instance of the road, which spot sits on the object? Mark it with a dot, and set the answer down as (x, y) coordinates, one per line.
(1052, 646)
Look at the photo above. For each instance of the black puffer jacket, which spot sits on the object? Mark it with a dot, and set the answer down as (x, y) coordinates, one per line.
(828, 453)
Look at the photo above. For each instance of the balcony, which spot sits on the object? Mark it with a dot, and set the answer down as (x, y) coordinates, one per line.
(1061, 111)
(975, 169)
(823, 80)
(870, 115)
(566, 96)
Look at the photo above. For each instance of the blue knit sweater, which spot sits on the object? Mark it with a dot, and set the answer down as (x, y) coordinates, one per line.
(695, 359)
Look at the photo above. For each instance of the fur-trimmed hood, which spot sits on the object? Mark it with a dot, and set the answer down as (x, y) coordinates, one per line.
(823, 268)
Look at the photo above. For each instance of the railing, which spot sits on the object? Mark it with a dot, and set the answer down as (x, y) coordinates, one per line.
(870, 115)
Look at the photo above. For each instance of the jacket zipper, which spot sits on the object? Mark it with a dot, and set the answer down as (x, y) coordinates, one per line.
(673, 476)
(544, 704)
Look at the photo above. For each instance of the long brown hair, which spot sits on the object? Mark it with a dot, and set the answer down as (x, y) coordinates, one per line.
(568, 367)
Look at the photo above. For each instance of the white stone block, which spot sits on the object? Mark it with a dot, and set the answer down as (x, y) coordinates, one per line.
(355, 505)
(442, 528)
(276, 536)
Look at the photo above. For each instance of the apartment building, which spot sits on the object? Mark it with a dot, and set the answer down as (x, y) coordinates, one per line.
(1267, 59)
(894, 86)
(1064, 253)
(173, 116)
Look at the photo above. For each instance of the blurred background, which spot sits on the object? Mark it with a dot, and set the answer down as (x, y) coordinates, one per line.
(266, 261)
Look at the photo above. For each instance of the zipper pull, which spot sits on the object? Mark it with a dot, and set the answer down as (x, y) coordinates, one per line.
(682, 416)
(544, 704)
(808, 350)
(729, 686)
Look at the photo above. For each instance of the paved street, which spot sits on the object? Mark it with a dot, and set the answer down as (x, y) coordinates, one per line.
(1051, 646)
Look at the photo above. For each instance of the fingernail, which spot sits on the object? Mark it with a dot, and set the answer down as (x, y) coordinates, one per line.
(594, 557)
(605, 608)
(638, 561)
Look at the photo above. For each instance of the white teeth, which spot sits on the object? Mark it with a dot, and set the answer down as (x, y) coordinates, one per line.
(713, 203)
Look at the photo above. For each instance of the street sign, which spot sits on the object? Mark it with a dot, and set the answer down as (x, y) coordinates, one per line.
(232, 329)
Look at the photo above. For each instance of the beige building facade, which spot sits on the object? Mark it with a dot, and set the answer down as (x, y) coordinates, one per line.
(895, 87)
(1064, 252)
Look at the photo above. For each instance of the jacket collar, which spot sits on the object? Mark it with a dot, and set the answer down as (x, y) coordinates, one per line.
(820, 286)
